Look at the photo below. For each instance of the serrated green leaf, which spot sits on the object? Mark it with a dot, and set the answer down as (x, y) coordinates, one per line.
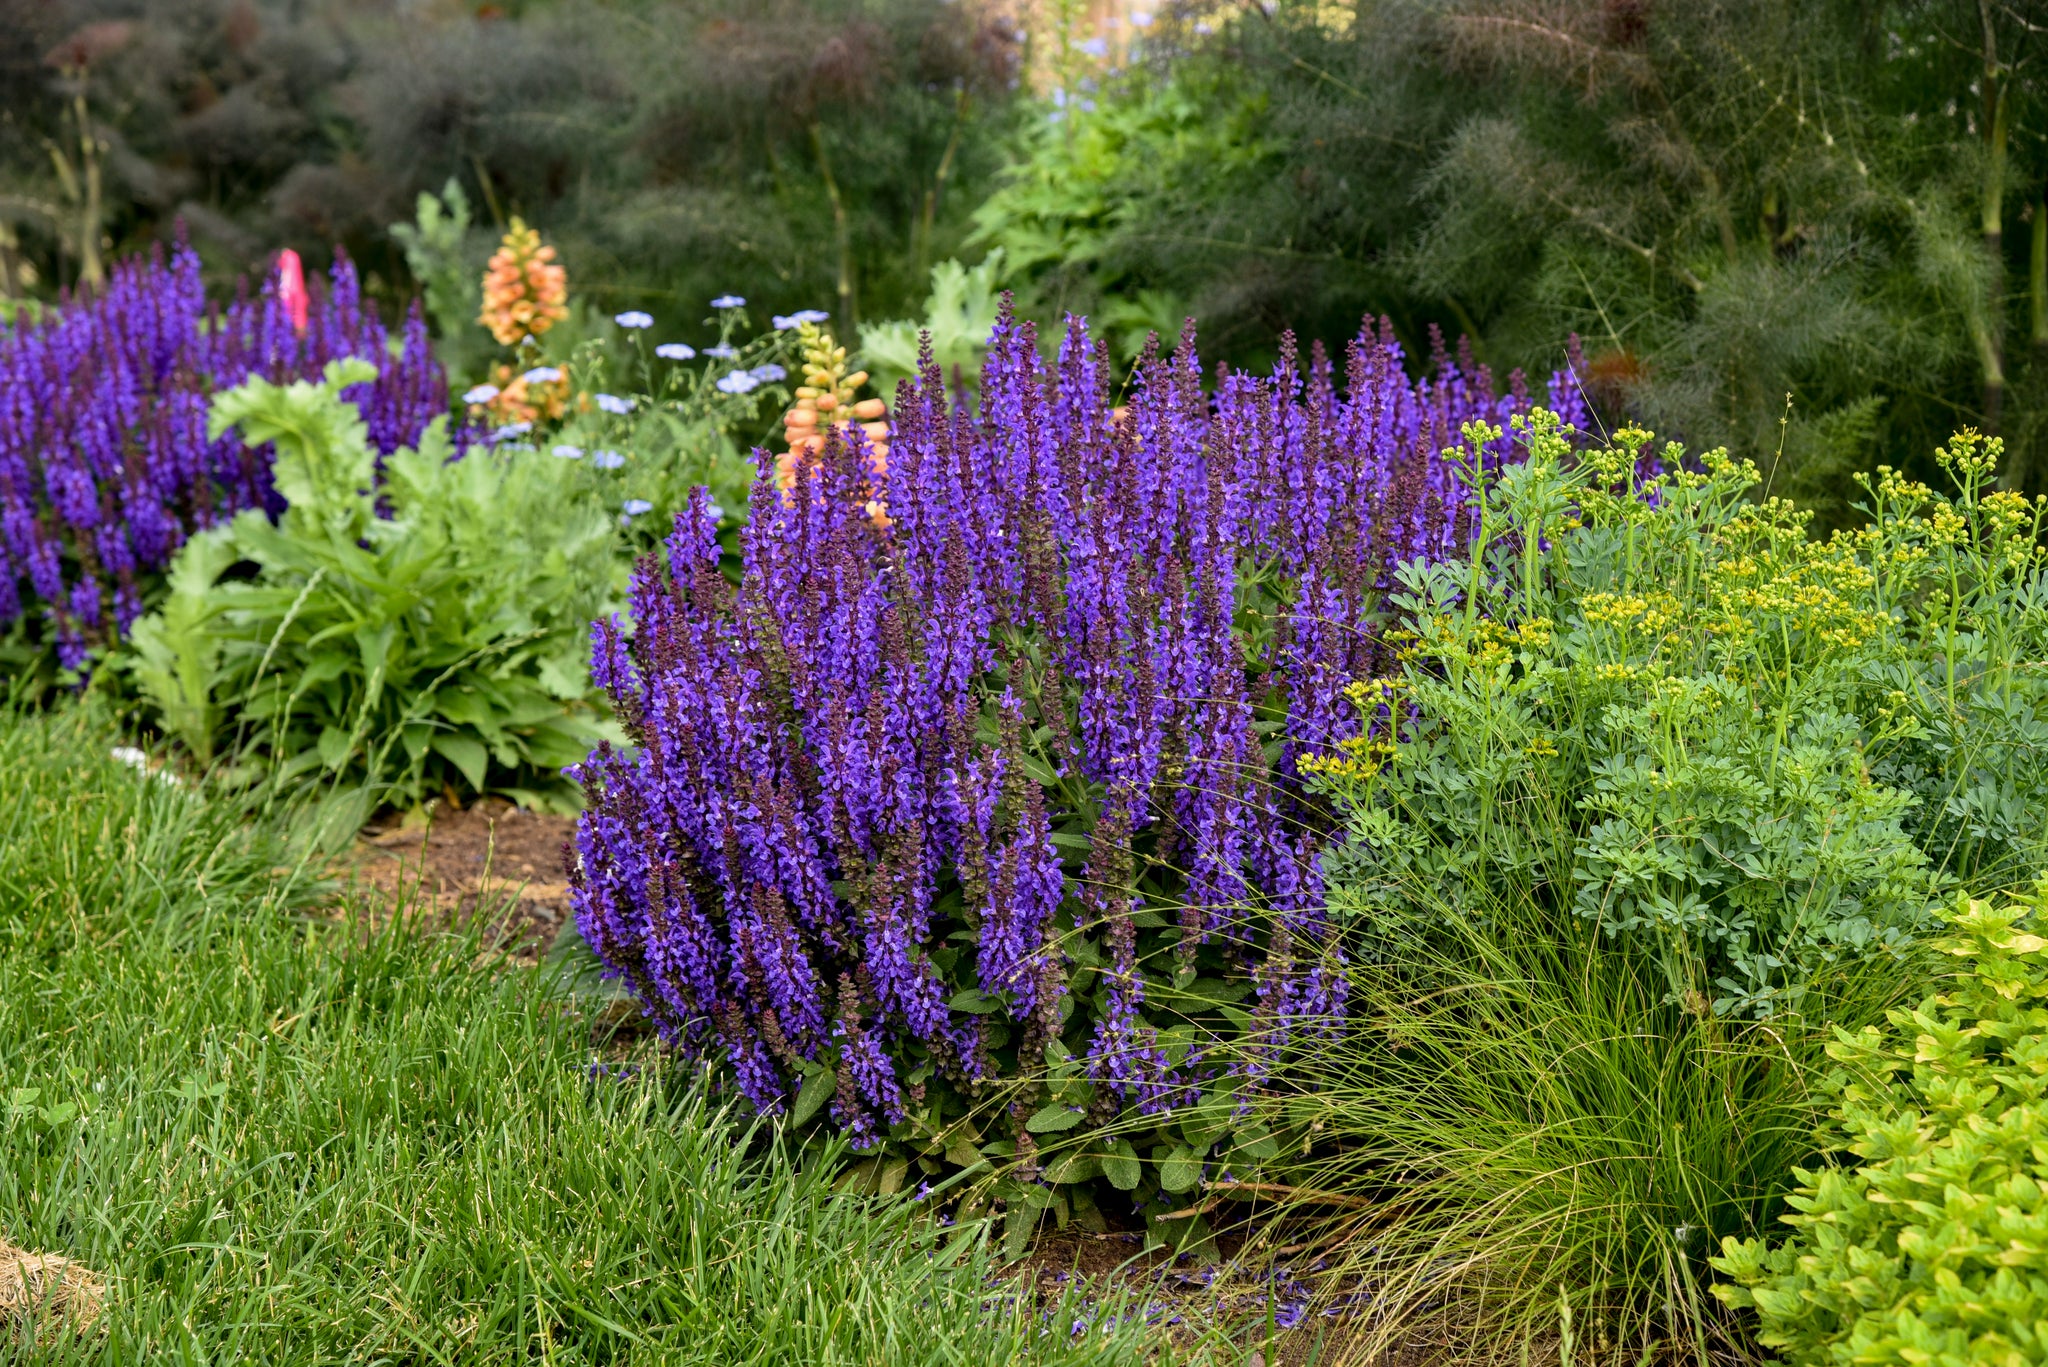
(1120, 1165)
(960, 1150)
(812, 1096)
(1054, 1118)
(1072, 1167)
(1181, 1169)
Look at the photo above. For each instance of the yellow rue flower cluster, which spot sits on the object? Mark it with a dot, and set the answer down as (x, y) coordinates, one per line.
(1356, 759)
(1814, 592)
(1651, 614)
(1365, 693)
(525, 292)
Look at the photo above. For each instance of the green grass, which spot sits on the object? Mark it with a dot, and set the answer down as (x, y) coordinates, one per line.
(293, 1143)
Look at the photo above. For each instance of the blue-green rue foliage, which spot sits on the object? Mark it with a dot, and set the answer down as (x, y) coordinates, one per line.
(980, 821)
(283, 1139)
(1657, 703)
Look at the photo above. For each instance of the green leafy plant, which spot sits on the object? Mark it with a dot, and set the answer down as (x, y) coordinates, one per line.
(418, 633)
(1926, 1245)
(436, 245)
(959, 314)
(1662, 705)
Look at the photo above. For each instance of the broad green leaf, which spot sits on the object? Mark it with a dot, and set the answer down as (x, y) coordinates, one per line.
(1181, 1169)
(1120, 1165)
(816, 1091)
(467, 754)
(1054, 1118)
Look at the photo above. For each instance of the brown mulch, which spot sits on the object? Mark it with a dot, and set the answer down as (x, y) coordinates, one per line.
(51, 1293)
(1238, 1291)
(490, 860)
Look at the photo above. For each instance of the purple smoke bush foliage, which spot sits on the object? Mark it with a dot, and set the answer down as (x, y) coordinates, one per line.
(105, 465)
(929, 800)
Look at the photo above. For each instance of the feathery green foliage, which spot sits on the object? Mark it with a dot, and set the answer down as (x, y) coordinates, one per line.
(1731, 201)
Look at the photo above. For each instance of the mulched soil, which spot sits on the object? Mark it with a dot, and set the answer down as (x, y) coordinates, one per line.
(1268, 1305)
(491, 860)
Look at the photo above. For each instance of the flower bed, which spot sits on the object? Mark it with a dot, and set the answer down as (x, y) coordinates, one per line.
(105, 464)
(992, 803)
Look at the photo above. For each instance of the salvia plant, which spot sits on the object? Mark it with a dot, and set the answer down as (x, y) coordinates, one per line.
(106, 464)
(981, 820)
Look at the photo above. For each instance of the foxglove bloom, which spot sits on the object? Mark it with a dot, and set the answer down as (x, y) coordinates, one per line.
(934, 792)
(291, 288)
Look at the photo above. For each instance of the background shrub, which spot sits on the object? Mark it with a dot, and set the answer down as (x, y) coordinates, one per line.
(800, 154)
(1922, 1242)
(977, 820)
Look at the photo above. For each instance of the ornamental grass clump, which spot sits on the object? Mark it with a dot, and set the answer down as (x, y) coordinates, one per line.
(106, 465)
(986, 817)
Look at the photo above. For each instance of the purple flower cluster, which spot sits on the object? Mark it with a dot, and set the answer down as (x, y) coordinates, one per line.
(1012, 762)
(105, 465)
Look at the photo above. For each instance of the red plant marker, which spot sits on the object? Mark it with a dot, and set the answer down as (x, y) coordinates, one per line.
(291, 288)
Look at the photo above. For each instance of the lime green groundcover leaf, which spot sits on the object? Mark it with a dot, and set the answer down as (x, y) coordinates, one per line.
(1927, 1244)
(436, 641)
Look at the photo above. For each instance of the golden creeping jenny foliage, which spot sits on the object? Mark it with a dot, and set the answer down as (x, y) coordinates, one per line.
(525, 292)
(1928, 1245)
